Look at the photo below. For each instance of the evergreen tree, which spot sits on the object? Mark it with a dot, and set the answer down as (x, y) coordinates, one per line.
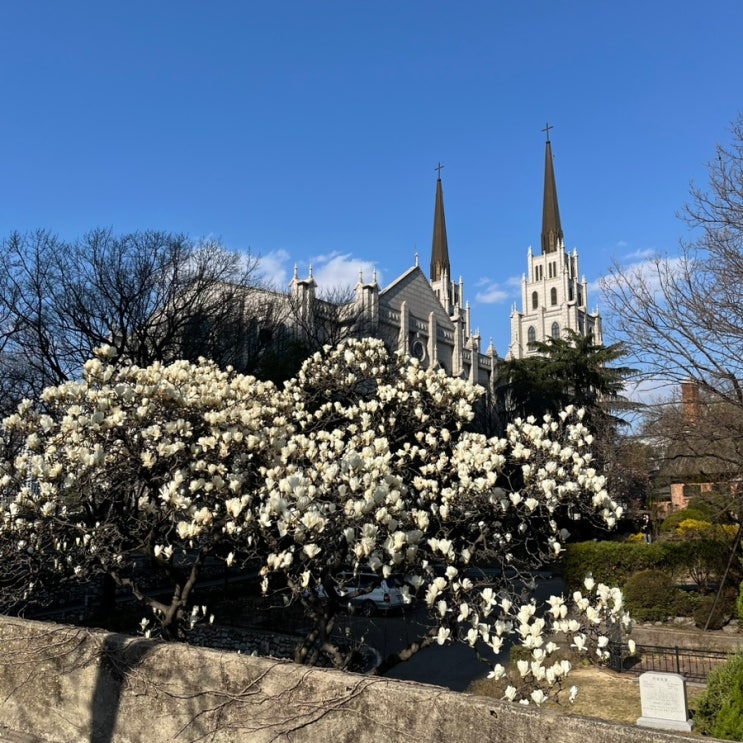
(573, 370)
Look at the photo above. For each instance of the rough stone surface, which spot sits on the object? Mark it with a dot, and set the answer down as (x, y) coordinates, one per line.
(67, 684)
(689, 639)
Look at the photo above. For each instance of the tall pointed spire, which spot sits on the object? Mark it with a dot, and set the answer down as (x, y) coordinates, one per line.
(440, 247)
(552, 237)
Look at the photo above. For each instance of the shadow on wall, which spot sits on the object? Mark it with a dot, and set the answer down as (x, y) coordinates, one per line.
(65, 683)
(117, 659)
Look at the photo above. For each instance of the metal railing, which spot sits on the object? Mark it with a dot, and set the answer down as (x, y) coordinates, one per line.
(692, 664)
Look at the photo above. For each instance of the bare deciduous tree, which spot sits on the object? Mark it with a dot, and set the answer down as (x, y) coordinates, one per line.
(682, 317)
(146, 294)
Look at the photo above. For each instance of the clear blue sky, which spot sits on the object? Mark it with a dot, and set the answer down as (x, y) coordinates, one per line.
(308, 131)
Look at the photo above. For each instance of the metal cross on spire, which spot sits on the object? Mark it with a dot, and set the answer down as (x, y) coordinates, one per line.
(547, 128)
(438, 168)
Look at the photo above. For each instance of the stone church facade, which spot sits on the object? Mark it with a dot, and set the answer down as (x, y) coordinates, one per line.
(421, 316)
(428, 317)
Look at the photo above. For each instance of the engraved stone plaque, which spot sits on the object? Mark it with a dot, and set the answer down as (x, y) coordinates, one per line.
(663, 701)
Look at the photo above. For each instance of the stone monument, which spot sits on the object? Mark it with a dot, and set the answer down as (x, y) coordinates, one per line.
(663, 701)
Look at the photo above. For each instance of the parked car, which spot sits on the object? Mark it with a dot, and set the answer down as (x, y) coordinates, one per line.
(369, 593)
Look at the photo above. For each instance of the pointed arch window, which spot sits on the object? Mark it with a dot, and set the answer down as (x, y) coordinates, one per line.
(534, 300)
(555, 330)
(531, 335)
(553, 295)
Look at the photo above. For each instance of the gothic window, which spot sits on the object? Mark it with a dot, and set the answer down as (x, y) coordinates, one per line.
(534, 300)
(419, 351)
(531, 335)
(553, 295)
(538, 273)
(555, 330)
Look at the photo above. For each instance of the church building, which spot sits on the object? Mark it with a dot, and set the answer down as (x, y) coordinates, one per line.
(423, 316)
(428, 317)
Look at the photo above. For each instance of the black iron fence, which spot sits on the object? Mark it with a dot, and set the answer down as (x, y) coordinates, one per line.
(692, 664)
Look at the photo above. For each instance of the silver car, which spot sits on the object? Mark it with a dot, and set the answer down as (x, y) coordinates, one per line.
(369, 593)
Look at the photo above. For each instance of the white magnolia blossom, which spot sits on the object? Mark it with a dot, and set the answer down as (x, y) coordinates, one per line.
(362, 460)
(595, 618)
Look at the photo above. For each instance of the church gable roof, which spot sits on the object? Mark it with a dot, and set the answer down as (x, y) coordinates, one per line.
(413, 288)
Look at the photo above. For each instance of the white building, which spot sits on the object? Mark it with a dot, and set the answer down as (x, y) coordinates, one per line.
(554, 297)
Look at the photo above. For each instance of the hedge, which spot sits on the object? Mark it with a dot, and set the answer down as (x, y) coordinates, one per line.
(614, 562)
(611, 562)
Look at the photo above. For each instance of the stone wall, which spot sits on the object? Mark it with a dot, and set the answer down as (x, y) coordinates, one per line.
(67, 684)
(241, 640)
(687, 639)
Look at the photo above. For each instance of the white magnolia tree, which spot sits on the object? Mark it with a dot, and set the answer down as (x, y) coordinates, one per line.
(363, 461)
(135, 464)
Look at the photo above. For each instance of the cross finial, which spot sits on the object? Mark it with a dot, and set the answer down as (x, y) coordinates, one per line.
(547, 128)
(438, 168)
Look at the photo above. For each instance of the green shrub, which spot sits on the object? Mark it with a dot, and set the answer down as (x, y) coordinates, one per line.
(650, 596)
(671, 522)
(609, 562)
(685, 603)
(720, 616)
(720, 709)
(740, 602)
(614, 562)
(710, 507)
(702, 559)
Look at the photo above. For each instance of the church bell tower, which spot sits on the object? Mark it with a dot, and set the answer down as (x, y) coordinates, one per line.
(554, 298)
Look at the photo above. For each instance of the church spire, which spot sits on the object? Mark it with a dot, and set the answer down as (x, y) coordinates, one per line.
(440, 247)
(552, 236)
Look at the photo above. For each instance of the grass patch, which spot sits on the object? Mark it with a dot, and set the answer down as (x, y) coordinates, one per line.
(603, 694)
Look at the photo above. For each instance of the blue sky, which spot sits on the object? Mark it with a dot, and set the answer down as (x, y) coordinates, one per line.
(308, 132)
